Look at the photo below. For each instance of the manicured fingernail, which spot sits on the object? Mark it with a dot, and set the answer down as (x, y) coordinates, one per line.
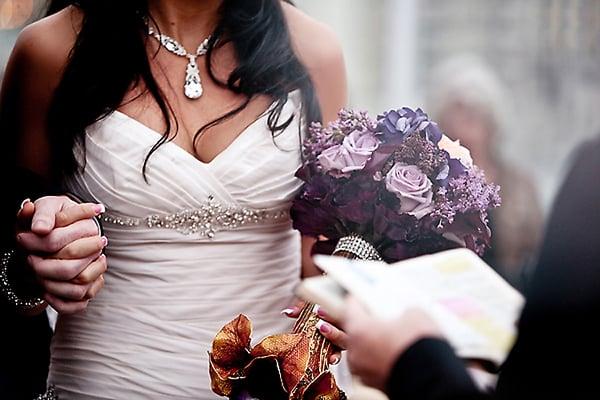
(321, 313)
(104, 241)
(28, 200)
(288, 311)
(316, 309)
(323, 327)
(335, 360)
(99, 208)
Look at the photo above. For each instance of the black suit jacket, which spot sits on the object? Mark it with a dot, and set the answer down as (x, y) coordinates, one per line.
(558, 348)
(24, 341)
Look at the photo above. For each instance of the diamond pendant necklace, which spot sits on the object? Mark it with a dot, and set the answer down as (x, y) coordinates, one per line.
(192, 87)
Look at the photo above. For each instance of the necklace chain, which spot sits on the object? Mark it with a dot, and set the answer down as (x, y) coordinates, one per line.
(192, 87)
(175, 47)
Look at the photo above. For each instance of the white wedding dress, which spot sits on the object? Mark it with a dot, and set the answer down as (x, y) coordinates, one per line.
(187, 252)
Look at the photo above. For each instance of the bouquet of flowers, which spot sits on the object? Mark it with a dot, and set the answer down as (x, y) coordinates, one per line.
(398, 182)
(385, 189)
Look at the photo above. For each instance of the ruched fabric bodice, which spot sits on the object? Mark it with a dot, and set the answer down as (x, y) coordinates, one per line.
(168, 291)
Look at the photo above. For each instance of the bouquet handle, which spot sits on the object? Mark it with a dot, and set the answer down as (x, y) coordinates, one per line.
(292, 366)
(352, 247)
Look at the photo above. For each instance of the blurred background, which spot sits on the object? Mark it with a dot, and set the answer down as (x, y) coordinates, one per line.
(517, 81)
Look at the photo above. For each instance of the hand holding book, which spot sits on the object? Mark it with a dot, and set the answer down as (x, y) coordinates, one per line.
(474, 307)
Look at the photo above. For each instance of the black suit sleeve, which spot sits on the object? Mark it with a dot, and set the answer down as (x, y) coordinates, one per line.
(559, 331)
(429, 370)
(25, 340)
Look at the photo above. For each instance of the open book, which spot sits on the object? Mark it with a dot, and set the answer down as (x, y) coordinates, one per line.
(473, 306)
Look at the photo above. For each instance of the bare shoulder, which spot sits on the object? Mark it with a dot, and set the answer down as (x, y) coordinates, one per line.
(48, 42)
(315, 42)
(32, 74)
(320, 50)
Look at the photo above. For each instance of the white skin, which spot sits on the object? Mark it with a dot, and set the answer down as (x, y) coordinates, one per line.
(67, 247)
(374, 345)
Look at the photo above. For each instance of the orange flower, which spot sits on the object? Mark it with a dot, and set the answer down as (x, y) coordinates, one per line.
(290, 366)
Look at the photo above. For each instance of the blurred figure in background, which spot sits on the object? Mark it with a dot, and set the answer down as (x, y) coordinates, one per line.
(467, 103)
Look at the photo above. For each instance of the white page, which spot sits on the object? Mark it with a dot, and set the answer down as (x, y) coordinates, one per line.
(473, 306)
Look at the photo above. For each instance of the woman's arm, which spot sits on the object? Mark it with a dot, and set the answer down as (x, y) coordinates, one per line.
(321, 53)
(54, 227)
(33, 72)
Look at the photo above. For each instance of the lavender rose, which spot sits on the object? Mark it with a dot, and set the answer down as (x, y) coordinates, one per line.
(412, 187)
(352, 155)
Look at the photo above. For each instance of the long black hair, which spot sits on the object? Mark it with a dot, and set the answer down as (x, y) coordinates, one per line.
(109, 56)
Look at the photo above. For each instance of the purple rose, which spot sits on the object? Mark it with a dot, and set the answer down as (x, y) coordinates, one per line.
(352, 155)
(412, 187)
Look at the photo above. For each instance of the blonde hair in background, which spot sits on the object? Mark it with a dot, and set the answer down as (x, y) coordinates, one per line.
(467, 80)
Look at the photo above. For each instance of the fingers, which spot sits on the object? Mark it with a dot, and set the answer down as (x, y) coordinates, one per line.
(24, 215)
(46, 209)
(72, 295)
(295, 310)
(64, 306)
(72, 214)
(82, 248)
(325, 316)
(335, 335)
(71, 291)
(335, 358)
(92, 272)
(66, 291)
(58, 238)
(57, 270)
(95, 288)
(292, 312)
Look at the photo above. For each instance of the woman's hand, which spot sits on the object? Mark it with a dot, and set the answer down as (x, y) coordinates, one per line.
(64, 250)
(374, 345)
(327, 327)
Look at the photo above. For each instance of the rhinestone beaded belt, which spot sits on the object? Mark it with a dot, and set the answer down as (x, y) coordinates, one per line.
(210, 218)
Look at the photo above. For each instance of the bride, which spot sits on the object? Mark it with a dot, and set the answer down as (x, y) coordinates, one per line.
(181, 119)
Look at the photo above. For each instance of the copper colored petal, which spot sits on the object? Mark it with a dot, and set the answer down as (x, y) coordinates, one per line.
(264, 379)
(292, 354)
(276, 344)
(219, 382)
(323, 388)
(231, 346)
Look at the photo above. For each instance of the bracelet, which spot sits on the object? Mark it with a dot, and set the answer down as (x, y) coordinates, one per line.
(49, 395)
(7, 291)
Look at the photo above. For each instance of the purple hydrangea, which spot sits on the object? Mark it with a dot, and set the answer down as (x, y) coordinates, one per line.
(395, 125)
